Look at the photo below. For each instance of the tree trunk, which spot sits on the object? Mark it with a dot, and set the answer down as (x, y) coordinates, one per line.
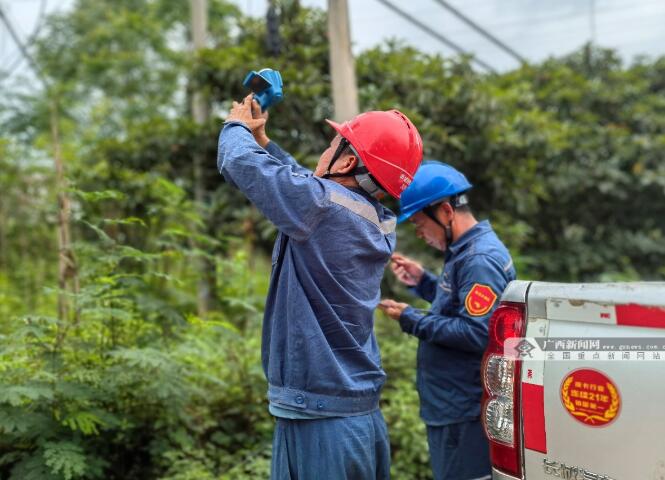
(68, 281)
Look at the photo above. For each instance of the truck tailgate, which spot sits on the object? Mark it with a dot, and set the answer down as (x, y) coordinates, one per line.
(593, 400)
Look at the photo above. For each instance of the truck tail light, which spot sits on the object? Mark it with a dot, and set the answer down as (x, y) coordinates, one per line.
(501, 396)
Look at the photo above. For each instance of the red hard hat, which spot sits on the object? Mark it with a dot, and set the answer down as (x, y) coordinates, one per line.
(388, 144)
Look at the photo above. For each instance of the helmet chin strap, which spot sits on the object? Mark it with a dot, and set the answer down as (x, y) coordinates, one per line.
(360, 173)
(449, 234)
(341, 146)
(367, 182)
(447, 229)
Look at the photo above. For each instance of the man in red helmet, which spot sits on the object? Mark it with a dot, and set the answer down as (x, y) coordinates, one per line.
(319, 352)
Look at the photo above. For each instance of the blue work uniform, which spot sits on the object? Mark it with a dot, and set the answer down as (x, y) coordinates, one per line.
(319, 352)
(453, 338)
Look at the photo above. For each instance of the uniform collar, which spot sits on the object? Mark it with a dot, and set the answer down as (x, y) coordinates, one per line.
(361, 191)
(469, 236)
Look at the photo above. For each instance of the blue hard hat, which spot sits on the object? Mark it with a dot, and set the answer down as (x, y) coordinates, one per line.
(434, 181)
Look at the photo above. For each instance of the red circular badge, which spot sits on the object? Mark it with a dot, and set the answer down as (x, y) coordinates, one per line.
(590, 397)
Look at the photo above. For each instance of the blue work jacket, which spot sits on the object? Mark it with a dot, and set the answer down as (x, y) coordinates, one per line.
(319, 351)
(453, 333)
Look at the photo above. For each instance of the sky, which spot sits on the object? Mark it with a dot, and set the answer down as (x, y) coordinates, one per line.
(536, 29)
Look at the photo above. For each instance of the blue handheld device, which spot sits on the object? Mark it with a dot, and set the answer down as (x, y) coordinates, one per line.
(266, 85)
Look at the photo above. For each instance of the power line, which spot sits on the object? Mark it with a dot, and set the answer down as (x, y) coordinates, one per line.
(39, 23)
(580, 15)
(21, 46)
(435, 34)
(510, 24)
(583, 29)
(482, 31)
(12, 68)
(31, 38)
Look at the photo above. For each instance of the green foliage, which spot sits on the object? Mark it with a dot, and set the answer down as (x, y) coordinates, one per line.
(135, 388)
(65, 459)
(399, 402)
(566, 158)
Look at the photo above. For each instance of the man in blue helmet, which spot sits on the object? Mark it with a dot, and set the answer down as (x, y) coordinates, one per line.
(453, 333)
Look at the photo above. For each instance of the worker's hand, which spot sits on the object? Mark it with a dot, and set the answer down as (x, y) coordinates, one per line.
(260, 132)
(242, 112)
(407, 271)
(392, 308)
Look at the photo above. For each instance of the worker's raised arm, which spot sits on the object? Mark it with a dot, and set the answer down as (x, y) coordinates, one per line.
(261, 137)
(293, 201)
(276, 151)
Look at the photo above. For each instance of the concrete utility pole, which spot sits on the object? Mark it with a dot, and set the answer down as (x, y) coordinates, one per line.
(342, 65)
(199, 11)
(199, 37)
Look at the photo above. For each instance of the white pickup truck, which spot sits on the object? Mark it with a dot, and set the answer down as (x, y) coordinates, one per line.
(574, 379)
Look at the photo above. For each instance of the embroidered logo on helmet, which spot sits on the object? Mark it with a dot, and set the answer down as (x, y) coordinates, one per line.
(480, 300)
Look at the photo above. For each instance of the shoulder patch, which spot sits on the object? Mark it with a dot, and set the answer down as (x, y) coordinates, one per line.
(480, 300)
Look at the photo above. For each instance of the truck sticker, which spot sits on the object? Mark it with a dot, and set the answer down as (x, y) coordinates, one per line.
(479, 300)
(569, 472)
(590, 397)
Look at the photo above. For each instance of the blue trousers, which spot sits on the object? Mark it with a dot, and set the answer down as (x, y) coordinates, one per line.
(459, 451)
(342, 448)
